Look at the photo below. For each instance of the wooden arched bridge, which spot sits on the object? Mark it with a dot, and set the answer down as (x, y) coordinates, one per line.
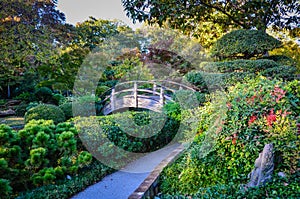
(150, 95)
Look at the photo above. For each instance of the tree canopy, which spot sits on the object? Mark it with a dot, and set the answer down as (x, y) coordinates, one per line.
(30, 32)
(244, 44)
(242, 14)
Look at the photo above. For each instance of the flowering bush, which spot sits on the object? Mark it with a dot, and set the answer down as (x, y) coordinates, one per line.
(259, 112)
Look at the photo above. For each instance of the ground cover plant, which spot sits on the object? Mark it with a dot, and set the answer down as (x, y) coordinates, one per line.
(259, 112)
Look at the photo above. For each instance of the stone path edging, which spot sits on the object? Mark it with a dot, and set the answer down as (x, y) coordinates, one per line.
(148, 188)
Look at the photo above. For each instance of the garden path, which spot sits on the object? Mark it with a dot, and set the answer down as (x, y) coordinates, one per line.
(121, 184)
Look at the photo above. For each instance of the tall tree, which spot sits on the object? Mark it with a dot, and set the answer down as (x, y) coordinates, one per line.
(30, 32)
(245, 14)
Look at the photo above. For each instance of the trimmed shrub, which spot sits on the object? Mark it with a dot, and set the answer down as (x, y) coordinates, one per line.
(253, 66)
(46, 112)
(44, 94)
(281, 72)
(232, 132)
(58, 99)
(282, 60)
(67, 109)
(40, 154)
(244, 44)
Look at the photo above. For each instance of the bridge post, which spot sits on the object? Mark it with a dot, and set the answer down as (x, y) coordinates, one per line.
(135, 95)
(154, 88)
(112, 99)
(161, 96)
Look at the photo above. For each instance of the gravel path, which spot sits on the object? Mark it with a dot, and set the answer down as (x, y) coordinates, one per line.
(121, 184)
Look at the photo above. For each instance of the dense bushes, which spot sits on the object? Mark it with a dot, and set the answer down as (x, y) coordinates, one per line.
(253, 66)
(223, 74)
(68, 188)
(46, 112)
(40, 154)
(259, 112)
(278, 188)
(244, 44)
(67, 109)
(137, 132)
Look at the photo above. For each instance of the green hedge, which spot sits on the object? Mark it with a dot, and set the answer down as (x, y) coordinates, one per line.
(253, 66)
(213, 75)
(46, 112)
(282, 60)
(233, 131)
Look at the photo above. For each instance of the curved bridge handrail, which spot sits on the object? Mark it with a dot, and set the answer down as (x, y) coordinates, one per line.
(157, 91)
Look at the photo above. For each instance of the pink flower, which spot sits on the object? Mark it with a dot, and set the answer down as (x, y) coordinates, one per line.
(271, 118)
(278, 93)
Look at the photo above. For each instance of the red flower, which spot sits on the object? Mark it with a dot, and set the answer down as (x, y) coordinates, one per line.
(278, 93)
(271, 118)
(252, 119)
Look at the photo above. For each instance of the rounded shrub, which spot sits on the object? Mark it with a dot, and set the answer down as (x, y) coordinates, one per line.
(44, 94)
(46, 112)
(67, 109)
(244, 44)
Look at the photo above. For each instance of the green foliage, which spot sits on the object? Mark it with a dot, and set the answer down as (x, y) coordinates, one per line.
(40, 154)
(253, 66)
(244, 44)
(5, 189)
(258, 112)
(68, 188)
(46, 112)
(35, 26)
(43, 94)
(281, 72)
(26, 97)
(278, 188)
(67, 109)
(213, 75)
(282, 60)
(129, 131)
(189, 14)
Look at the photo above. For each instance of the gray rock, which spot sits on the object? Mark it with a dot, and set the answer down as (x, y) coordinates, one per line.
(281, 174)
(8, 112)
(264, 166)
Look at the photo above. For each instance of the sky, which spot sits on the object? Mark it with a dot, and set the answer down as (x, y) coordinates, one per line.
(80, 10)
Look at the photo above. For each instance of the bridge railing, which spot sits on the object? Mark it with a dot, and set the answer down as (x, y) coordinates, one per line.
(159, 91)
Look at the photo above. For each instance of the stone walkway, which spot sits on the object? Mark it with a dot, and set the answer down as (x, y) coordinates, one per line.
(121, 184)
